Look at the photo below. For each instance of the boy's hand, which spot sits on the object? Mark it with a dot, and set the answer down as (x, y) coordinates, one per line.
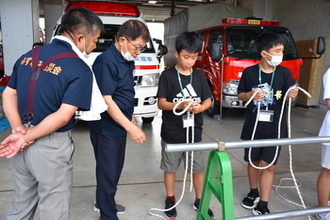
(184, 104)
(259, 96)
(293, 92)
(196, 108)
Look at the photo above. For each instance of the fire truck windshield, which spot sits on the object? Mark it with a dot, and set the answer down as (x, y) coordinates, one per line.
(109, 37)
(241, 41)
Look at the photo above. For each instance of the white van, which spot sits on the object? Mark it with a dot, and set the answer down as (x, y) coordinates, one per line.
(147, 71)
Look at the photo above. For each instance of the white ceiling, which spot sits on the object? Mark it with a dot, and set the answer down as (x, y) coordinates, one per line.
(160, 10)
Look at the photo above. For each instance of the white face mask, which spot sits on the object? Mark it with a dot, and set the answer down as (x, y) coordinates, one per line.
(275, 61)
(127, 56)
(84, 53)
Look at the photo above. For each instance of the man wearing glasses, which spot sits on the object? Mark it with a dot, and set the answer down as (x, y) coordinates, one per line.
(114, 75)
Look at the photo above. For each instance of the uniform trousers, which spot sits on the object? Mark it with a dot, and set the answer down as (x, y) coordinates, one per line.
(43, 178)
(110, 156)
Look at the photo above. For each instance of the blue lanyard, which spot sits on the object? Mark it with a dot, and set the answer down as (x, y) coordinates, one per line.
(180, 83)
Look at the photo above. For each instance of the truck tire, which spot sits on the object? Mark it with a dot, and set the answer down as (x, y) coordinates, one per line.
(214, 109)
(147, 120)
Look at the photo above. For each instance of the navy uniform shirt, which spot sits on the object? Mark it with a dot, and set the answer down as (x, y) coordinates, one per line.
(64, 81)
(114, 76)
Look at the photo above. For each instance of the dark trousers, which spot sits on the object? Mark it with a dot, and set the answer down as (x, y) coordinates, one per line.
(109, 154)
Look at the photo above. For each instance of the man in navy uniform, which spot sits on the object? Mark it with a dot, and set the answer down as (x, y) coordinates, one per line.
(42, 116)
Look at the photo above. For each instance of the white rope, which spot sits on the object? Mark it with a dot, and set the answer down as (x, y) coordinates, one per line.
(187, 153)
(253, 134)
(187, 135)
(297, 184)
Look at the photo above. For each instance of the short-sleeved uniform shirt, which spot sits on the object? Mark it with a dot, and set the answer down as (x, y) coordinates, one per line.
(276, 89)
(172, 130)
(64, 81)
(114, 76)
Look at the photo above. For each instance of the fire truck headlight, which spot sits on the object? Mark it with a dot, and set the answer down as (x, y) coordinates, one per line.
(149, 80)
(230, 89)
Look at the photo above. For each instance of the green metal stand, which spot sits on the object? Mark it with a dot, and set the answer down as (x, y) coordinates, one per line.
(222, 188)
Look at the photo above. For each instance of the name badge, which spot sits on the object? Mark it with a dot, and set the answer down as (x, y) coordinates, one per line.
(266, 116)
(188, 121)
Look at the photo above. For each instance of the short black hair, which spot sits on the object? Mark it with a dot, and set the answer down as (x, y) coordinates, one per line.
(133, 29)
(188, 41)
(82, 21)
(268, 40)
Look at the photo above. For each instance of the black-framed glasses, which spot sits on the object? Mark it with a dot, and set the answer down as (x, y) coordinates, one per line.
(139, 49)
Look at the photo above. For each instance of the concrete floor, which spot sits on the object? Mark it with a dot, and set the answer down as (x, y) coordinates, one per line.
(141, 186)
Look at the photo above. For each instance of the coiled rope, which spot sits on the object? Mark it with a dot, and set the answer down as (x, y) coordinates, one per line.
(189, 114)
(297, 184)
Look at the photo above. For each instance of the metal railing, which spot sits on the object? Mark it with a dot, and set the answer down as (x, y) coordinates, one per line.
(288, 214)
(222, 187)
(221, 146)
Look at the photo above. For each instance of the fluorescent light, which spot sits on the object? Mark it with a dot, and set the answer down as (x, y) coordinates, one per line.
(152, 2)
(146, 4)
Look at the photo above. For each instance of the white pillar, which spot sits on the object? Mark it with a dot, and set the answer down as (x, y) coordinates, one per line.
(53, 9)
(20, 29)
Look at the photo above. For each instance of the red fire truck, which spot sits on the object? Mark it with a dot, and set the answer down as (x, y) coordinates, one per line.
(229, 48)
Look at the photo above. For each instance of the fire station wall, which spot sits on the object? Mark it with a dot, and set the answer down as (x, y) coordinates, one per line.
(307, 20)
(263, 9)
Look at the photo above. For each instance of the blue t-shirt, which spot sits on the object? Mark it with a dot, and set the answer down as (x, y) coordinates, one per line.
(64, 81)
(114, 76)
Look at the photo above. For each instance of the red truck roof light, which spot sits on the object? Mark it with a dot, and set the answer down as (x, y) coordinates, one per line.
(107, 8)
(249, 21)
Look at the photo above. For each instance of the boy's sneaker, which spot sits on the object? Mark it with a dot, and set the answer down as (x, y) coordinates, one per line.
(171, 214)
(120, 209)
(324, 216)
(260, 211)
(250, 202)
(196, 206)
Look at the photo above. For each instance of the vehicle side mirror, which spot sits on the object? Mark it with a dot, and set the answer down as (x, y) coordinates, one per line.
(162, 49)
(215, 51)
(319, 50)
(320, 46)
